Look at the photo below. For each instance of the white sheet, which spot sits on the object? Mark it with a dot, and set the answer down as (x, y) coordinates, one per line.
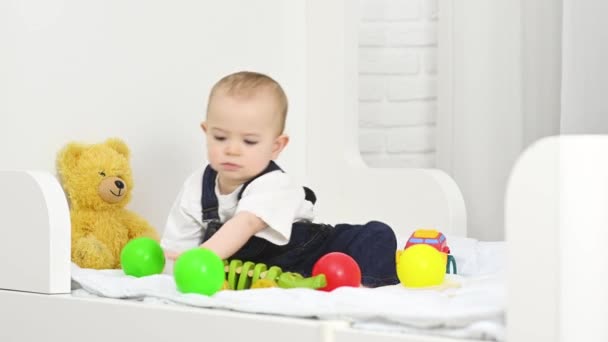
(475, 309)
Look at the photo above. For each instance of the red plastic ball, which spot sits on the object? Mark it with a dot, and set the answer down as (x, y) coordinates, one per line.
(340, 270)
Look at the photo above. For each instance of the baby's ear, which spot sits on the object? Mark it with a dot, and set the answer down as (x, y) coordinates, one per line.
(68, 157)
(119, 146)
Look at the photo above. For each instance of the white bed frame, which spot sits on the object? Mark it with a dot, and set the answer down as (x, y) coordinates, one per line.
(67, 83)
(555, 280)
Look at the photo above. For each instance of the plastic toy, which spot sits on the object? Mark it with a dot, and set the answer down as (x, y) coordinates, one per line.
(435, 239)
(199, 270)
(245, 275)
(142, 257)
(421, 265)
(340, 270)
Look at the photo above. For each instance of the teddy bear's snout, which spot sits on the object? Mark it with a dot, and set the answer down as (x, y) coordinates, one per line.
(112, 189)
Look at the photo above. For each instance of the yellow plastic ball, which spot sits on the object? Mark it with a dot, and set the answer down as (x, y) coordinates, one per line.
(421, 266)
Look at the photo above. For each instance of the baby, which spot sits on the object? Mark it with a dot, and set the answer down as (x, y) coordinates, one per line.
(243, 206)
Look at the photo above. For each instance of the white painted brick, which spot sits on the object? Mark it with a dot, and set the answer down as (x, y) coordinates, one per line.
(430, 61)
(403, 88)
(387, 61)
(403, 10)
(397, 82)
(411, 34)
(411, 139)
(424, 160)
(376, 159)
(396, 114)
(371, 141)
(371, 88)
(407, 160)
(371, 114)
(390, 10)
(430, 9)
(372, 35)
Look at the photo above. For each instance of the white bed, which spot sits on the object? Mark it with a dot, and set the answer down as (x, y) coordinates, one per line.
(554, 279)
(37, 291)
(84, 72)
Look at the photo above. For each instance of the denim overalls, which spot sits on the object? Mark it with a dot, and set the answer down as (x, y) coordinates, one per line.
(372, 245)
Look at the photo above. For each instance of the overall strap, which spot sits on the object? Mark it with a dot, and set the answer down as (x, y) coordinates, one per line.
(209, 202)
(272, 166)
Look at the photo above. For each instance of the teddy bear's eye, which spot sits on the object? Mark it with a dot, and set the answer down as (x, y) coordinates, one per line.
(103, 174)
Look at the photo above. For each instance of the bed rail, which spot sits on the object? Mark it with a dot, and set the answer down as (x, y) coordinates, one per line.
(35, 233)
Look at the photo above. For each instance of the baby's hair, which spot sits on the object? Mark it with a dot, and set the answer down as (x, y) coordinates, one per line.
(248, 83)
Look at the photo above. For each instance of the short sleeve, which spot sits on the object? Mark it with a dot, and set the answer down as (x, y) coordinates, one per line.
(276, 200)
(184, 227)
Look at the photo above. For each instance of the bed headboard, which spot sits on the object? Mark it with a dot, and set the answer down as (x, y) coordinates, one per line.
(35, 233)
(85, 72)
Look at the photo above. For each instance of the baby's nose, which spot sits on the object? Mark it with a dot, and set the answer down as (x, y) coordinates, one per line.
(233, 148)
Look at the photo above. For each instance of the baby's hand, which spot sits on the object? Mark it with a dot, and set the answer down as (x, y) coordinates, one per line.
(169, 255)
(169, 261)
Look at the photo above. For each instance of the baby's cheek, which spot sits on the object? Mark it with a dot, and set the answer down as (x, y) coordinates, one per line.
(212, 155)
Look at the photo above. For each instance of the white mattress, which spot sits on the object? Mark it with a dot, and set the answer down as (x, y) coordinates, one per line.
(473, 309)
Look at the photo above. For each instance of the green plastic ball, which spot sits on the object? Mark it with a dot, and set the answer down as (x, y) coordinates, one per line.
(142, 257)
(199, 270)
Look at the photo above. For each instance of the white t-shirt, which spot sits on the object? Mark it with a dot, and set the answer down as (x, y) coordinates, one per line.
(273, 197)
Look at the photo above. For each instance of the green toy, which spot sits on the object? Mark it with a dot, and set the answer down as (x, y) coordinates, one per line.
(245, 275)
(199, 270)
(142, 257)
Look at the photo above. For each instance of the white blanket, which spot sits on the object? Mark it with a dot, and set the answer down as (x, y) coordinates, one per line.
(473, 309)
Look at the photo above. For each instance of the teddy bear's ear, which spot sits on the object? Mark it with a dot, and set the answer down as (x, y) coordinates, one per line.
(68, 156)
(118, 146)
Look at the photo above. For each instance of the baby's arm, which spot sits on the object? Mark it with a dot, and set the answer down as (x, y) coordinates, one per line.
(183, 229)
(234, 234)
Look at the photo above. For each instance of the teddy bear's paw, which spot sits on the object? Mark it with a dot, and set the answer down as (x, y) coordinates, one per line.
(89, 252)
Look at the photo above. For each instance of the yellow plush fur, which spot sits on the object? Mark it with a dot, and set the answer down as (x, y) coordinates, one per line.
(97, 181)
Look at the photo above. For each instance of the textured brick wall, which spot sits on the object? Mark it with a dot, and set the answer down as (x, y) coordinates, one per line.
(397, 82)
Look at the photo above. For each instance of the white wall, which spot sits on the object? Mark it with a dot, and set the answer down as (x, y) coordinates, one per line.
(502, 84)
(85, 71)
(480, 122)
(585, 75)
(397, 82)
(496, 93)
(485, 117)
(141, 71)
(541, 68)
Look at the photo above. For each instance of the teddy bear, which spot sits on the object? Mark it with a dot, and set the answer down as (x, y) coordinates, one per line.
(98, 183)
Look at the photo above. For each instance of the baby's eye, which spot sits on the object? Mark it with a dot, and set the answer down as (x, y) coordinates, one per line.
(250, 142)
(101, 173)
(218, 138)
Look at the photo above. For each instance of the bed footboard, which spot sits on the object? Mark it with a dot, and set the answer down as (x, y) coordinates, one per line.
(33, 204)
(557, 228)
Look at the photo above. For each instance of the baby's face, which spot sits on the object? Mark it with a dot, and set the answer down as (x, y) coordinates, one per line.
(242, 135)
